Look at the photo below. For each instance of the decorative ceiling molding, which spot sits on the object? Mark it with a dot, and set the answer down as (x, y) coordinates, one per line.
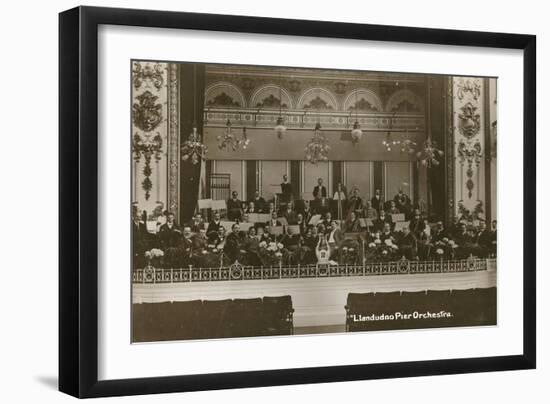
(318, 98)
(267, 96)
(224, 94)
(363, 100)
(405, 101)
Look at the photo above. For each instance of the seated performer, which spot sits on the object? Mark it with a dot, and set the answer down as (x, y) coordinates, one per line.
(234, 245)
(393, 210)
(370, 212)
(482, 240)
(407, 244)
(197, 223)
(402, 202)
(307, 212)
(293, 246)
(169, 234)
(376, 201)
(214, 224)
(140, 238)
(301, 223)
(382, 220)
(200, 241)
(355, 203)
(251, 208)
(416, 224)
(259, 202)
(290, 215)
(217, 239)
(386, 233)
(273, 222)
(185, 249)
(234, 207)
(439, 233)
(252, 248)
(352, 224)
(326, 220)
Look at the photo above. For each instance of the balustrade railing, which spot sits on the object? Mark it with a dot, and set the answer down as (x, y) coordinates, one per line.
(239, 272)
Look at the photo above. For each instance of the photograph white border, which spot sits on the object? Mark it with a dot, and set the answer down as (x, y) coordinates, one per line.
(118, 359)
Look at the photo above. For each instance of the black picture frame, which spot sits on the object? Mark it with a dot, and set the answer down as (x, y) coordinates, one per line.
(78, 195)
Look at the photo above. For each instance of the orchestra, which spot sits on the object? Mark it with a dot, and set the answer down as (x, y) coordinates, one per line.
(354, 232)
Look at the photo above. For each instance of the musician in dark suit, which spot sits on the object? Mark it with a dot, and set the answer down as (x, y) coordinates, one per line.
(290, 215)
(234, 207)
(376, 201)
(355, 203)
(140, 239)
(234, 245)
(417, 224)
(169, 234)
(319, 191)
(482, 240)
(251, 208)
(306, 212)
(407, 244)
(214, 224)
(352, 224)
(402, 201)
(273, 221)
(197, 223)
(259, 202)
(301, 223)
(286, 190)
(185, 249)
(382, 220)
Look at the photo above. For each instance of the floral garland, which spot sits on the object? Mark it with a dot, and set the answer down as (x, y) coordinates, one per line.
(147, 147)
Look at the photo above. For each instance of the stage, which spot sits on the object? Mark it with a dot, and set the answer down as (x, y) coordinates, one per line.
(318, 293)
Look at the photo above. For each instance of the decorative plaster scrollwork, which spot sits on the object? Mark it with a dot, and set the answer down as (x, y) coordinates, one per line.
(465, 86)
(147, 112)
(471, 154)
(469, 120)
(148, 74)
(173, 140)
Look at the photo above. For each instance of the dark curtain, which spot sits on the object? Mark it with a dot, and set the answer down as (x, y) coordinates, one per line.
(436, 175)
(191, 79)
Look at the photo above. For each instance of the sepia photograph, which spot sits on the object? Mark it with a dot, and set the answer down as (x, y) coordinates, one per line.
(279, 201)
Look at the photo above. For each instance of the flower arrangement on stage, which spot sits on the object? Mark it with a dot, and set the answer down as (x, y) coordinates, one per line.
(378, 250)
(445, 248)
(271, 253)
(154, 256)
(193, 149)
(317, 149)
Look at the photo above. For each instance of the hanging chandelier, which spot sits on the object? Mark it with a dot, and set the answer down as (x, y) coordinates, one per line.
(356, 132)
(317, 149)
(280, 128)
(193, 149)
(388, 142)
(429, 155)
(230, 140)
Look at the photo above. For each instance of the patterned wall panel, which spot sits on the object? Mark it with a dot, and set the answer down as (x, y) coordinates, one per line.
(150, 135)
(469, 138)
